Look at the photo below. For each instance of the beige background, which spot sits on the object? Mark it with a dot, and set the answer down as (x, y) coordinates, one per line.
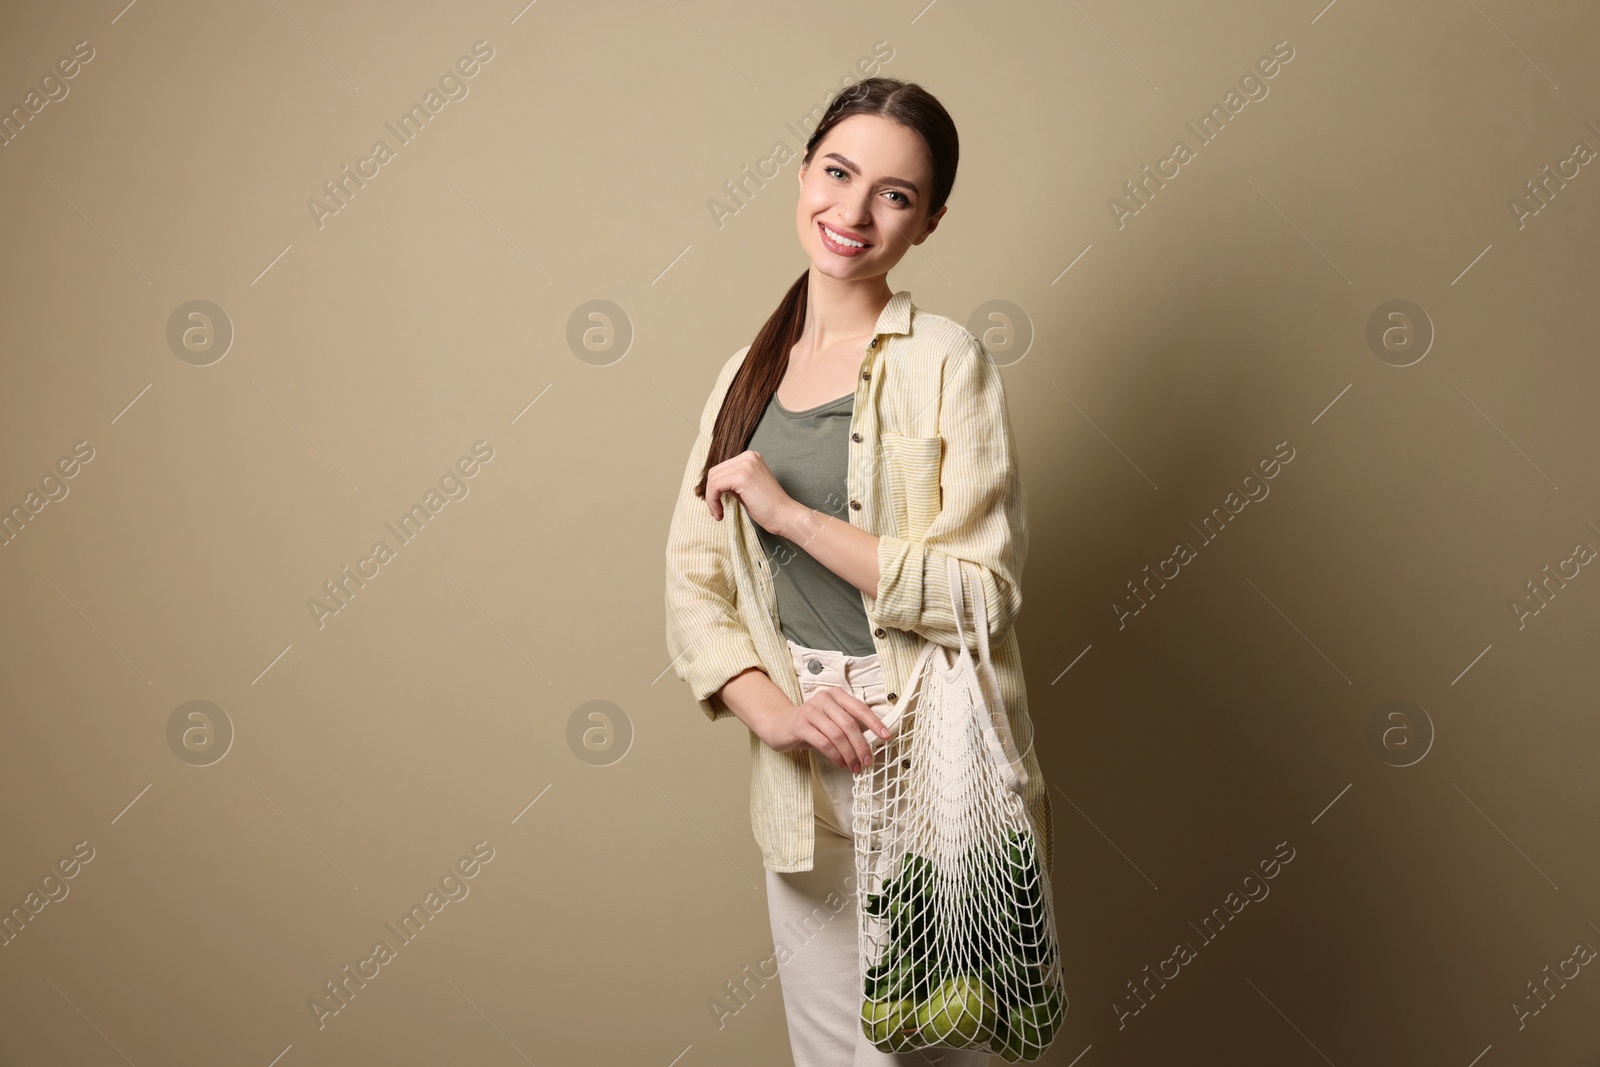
(371, 753)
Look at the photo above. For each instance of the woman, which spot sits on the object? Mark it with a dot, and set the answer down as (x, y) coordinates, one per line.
(860, 442)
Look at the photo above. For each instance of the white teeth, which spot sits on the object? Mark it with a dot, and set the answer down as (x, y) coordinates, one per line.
(844, 240)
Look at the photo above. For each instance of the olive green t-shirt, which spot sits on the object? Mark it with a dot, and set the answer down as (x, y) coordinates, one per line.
(808, 452)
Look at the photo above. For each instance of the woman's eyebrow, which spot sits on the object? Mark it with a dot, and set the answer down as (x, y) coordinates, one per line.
(851, 166)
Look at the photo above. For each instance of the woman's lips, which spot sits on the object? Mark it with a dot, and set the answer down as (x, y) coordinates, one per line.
(836, 247)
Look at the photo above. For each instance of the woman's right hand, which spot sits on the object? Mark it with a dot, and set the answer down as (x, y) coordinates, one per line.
(831, 721)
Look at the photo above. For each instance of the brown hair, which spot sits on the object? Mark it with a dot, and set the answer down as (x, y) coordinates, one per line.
(764, 365)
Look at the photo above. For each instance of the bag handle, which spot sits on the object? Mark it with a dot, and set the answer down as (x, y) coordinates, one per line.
(891, 720)
(1001, 743)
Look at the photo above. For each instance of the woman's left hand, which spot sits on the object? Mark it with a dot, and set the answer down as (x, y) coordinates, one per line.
(749, 478)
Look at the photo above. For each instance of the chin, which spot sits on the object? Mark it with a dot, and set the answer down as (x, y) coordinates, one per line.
(833, 269)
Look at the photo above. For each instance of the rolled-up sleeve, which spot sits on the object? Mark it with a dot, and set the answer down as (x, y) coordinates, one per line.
(982, 519)
(706, 638)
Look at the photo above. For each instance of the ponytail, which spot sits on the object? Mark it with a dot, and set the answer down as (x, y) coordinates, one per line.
(757, 379)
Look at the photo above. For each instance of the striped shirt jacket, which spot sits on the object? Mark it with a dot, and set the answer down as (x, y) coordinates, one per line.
(932, 470)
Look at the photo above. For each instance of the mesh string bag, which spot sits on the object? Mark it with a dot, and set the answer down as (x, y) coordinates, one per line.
(957, 932)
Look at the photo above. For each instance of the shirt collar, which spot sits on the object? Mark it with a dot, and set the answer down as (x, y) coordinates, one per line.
(896, 315)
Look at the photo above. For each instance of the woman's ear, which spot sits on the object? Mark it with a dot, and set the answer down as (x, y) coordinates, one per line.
(933, 224)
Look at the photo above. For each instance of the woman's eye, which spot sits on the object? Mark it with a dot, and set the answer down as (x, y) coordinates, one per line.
(838, 172)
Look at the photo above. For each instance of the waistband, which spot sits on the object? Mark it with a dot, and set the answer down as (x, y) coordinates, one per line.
(829, 666)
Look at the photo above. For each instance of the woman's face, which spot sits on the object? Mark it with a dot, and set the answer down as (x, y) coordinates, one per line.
(868, 182)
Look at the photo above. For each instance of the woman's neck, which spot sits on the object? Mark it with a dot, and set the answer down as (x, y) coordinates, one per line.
(840, 311)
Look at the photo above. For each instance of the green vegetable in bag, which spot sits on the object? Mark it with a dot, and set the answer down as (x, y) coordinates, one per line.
(897, 982)
(961, 1013)
(1024, 899)
(903, 971)
(1011, 981)
(890, 1026)
(1031, 1028)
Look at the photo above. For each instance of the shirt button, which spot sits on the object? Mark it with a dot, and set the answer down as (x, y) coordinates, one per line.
(893, 697)
(866, 374)
(855, 505)
(874, 343)
(855, 437)
(878, 632)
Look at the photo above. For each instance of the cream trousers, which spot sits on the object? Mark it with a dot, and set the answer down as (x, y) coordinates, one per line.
(814, 912)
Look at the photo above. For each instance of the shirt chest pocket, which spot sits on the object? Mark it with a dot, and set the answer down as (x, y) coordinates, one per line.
(913, 474)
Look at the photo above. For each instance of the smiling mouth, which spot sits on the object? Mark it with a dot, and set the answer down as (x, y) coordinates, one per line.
(844, 243)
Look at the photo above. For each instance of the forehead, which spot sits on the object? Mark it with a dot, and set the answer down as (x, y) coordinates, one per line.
(878, 146)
